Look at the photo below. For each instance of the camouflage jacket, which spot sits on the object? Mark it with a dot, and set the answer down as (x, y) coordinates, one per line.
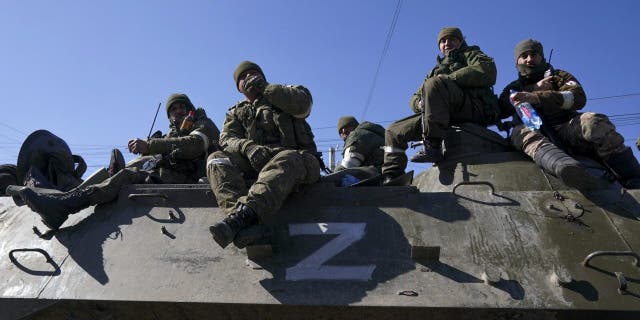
(276, 120)
(473, 71)
(364, 143)
(556, 106)
(184, 153)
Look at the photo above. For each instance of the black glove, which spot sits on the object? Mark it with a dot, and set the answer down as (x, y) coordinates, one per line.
(258, 155)
(255, 83)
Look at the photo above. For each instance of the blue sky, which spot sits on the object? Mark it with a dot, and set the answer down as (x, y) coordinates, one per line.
(93, 72)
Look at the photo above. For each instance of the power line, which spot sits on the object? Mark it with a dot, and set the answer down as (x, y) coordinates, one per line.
(385, 49)
(618, 96)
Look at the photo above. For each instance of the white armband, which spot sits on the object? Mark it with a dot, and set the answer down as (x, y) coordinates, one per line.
(351, 159)
(567, 102)
(204, 137)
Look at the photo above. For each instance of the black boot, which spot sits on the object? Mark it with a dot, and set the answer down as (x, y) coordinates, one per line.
(566, 168)
(117, 162)
(431, 152)
(225, 231)
(54, 208)
(256, 234)
(626, 166)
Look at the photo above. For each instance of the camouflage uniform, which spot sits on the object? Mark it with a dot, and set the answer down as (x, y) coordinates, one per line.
(588, 134)
(583, 133)
(365, 143)
(183, 156)
(276, 121)
(458, 89)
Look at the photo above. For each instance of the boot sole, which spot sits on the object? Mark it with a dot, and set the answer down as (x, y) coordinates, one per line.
(222, 234)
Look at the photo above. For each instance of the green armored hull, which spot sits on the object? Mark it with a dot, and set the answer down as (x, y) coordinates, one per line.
(485, 234)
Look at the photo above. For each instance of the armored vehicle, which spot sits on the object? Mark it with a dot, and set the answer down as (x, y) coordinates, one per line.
(484, 234)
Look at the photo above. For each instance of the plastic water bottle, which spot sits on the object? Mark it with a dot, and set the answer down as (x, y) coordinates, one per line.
(527, 113)
(348, 180)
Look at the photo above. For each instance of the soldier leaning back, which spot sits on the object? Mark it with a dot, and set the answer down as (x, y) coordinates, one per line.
(265, 137)
(183, 161)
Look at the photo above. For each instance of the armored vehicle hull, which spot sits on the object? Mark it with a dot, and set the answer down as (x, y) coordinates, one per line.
(481, 235)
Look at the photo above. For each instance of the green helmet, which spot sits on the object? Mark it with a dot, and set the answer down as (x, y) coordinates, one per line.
(179, 97)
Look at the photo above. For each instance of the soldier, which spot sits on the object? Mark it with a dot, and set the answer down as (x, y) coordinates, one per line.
(458, 89)
(363, 143)
(180, 158)
(265, 137)
(556, 96)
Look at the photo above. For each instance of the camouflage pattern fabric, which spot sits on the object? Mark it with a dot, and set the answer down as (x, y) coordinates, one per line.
(588, 134)
(366, 140)
(458, 89)
(276, 121)
(183, 160)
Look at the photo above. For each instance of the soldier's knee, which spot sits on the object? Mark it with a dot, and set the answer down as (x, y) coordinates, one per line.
(595, 124)
(312, 167)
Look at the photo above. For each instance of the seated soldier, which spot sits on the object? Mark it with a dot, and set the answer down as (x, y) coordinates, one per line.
(265, 137)
(556, 97)
(458, 89)
(182, 160)
(363, 144)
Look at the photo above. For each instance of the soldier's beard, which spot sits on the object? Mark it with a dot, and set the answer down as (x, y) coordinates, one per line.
(178, 121)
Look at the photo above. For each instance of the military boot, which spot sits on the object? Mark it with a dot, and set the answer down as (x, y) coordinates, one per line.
(256, 234)
(225, 231)
(431, 152)
(626, 166)
(55, 208)
(116, 163)
(572, 173)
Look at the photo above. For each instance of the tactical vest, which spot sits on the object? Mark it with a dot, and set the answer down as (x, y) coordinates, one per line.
(294, 133)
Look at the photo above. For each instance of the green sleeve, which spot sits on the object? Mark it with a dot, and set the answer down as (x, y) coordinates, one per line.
(233, 134)
(292, 100)
(480, 71)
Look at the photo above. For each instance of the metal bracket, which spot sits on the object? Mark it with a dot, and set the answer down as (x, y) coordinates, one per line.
(594, 254)
(56, 268)
(622, 283)
(135, 196)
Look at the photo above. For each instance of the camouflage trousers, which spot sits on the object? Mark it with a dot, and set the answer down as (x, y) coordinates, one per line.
(588, 134)
(228, 174)
(109, 189)
(445, 103)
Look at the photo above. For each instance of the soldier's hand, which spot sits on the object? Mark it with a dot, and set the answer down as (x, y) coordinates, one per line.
(258, 155)
(138, 146)
(525, 97)
(544, 84)
(255, 83)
